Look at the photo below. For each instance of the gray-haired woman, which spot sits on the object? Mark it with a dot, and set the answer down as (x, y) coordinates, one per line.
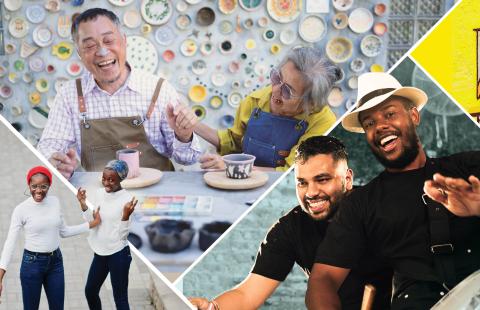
(272, 121)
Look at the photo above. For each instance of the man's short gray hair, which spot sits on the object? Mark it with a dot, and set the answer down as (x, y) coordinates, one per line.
(319, 75)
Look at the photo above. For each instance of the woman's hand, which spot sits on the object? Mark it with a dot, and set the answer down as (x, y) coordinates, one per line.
(128, 209)
(96, 218)
(200, 303)
(211, 161)
(82, 198)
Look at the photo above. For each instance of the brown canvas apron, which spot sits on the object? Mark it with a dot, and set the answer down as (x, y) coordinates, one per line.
(102, 138)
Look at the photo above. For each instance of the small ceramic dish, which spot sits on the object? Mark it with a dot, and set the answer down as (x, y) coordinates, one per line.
(226, 47)
(218, 79)
(288, 36)
(216, 102)
(5, 91)
(371, 45)
(199, 67)
(357, 65)
(36, 64)
(42, 35)
(227, 6)
(234, 99)
(339, 49)
(188, 48)
(250, 44)
(380, 9)
(132, 19)
(380, 29)
(312, 28)
(263, 21)
(183, 21)
(75, 68)
(165, 35)
(342, 5)
(377, 68)
(269, 35)
(210, 232)
(340, 20)
(168, 55)
(199, 111)
(238, 166)
(205, 16)
(225, 27)
(335, 97)
(197, 93)
(170, 236)
(227, 121)
(42, 85)
(360, 20)
(206, 48)
(35, 13)
(353, 82)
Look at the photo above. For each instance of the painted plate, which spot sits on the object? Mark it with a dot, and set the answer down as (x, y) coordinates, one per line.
(371, 45)
(342, 5)
(339, 49)
(13, 5)
(288, 36)
(216, 102)
(218, 79)
(227, 6)
(199, 67)
(197, 93)
(165, 35)
(64, 24)
(188, 48)
(18, 27)
(335, 97)
(225, 27)
(142, 54)
(357, 65)
(250, 5)
(360, 20)
(120, 2)
(353, 82)
(156, 12)
(42, 85)
(75, 68)
(234, 99)
(63, 50)
(42, 35)
(132, 19)
(36, 64)
(183, 21)
(284, 11)
(37, 119)
(312, 28)
(340, 21)
(35, 13)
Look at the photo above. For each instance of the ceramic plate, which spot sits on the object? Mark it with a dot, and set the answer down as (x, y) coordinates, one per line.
(339, 49)
(132, 19)
(193, 1)
(251, 5)
(75, 68)
(42, 85)
(142, 54)
(225, 27)
(199, 111)
(377, 68)
(42, 35)
(37, 119)
(234, 99)
(335, 97)
(360, 20)
(284, 11)
(18, 27)
(380, 29)
(13, 5)
(199, 67)
(35, 13)
(197, 93)
(227, 6)
(218, 79)
(156, 12)
(181, 6)
(120, 2)
(340, 21)
(357, 65)
(206, 48)
(312, 28)
(164, 35)
(183, 21)
(371, 45)
(64, 24)
(5, 91)
(216, 102)
(288, 36)
(63, 50)
(188, 47)
(380, 9)
(36, 64)
(353, 82)
(342, 5)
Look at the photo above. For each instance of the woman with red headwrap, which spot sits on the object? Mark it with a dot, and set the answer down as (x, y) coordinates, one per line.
(41, 219)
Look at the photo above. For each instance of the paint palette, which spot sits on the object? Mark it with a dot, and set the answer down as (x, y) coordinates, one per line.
(174, 205)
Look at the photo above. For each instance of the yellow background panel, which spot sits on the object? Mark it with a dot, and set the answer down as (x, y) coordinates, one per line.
(449, 54)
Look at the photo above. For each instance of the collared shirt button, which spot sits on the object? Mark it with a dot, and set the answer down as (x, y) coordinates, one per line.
(442, 293)
(406, 295)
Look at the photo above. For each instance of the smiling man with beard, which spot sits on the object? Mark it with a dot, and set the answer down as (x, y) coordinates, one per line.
(421, 234)
(322, 179)
(115, 106)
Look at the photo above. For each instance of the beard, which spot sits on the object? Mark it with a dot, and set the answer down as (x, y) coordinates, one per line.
(333, 204)
(410, 151)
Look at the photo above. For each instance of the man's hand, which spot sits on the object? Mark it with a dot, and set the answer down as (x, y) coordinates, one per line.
(96, 218)
(462, 198)
(82, 198)
(65, 163)
(182, 120)
(211, 161)
(128, 209)
(200, 303)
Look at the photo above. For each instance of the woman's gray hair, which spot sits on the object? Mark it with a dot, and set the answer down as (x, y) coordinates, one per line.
(319, 75)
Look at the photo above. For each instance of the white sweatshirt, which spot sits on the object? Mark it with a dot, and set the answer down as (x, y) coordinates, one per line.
(43, 225)
(111, 235)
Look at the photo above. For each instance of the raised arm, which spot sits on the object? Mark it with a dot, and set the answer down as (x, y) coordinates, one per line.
(323, 285)
(207, 133)
(250, 294)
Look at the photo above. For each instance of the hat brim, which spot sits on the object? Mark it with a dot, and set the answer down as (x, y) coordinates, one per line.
(418, 97)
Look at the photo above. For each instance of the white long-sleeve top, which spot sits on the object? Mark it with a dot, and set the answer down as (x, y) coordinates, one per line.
(111, 235)
(43, 225)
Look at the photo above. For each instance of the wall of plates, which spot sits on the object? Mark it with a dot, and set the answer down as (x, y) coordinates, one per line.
(213, 52)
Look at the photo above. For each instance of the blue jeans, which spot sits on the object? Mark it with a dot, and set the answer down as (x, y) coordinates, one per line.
(42, 269)
(118, 265)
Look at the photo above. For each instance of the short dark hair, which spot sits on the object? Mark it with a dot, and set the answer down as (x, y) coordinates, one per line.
(92, 14)
(327, 145)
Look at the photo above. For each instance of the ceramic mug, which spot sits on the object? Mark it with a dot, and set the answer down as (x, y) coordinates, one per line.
(132, 158)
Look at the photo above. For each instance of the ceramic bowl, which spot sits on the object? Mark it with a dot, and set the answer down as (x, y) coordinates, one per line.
(210, 232)
(339, 49)
(342, 5)
(238, 166)
(170, 236)
(205, 16)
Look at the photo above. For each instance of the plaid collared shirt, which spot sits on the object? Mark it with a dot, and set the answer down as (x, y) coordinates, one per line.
(132, 99)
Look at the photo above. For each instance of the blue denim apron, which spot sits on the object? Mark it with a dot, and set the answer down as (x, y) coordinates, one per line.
(270, 137)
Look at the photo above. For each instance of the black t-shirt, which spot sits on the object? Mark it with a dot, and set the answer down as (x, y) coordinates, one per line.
(387, 217)
(295, 238)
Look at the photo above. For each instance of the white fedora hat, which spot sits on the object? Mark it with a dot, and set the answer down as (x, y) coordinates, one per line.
(373, 89)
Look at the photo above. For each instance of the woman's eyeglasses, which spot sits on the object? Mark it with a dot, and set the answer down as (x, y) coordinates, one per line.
(43, 187)
(285, 90)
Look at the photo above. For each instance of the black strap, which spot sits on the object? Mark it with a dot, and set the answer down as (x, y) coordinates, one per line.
(440, 242)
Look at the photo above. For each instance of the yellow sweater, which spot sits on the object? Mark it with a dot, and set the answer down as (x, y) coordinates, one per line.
(231, 139)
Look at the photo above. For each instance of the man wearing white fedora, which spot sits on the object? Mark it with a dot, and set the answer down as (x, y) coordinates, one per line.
(420, 215)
